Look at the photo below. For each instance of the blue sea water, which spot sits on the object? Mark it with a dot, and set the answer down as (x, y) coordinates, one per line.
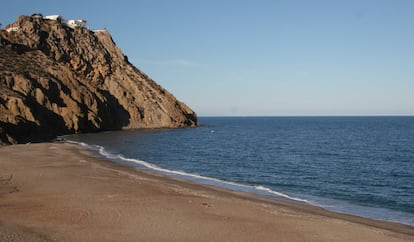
(357, 165)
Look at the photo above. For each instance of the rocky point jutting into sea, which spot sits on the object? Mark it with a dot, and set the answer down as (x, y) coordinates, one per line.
(58, 79)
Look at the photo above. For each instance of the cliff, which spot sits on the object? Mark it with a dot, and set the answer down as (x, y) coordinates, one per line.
(57, 80)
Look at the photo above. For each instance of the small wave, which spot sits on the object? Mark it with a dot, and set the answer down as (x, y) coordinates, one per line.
(333, 205)
(213, 181)
(279, 194)
(191, 176)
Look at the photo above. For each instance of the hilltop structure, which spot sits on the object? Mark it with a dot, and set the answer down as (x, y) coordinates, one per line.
(57, 77)
(72, 23)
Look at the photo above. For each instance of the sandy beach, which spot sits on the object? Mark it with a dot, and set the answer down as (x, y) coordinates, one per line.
(63, 192)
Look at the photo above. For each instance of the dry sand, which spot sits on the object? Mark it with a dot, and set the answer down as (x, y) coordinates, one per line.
(63, 192)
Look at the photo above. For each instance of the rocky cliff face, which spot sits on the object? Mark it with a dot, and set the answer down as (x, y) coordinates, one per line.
(56, 80)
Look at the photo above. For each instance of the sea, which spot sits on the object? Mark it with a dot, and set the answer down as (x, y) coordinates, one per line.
(362, 166)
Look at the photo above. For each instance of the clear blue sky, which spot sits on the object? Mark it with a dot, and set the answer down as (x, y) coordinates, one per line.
(291, 57)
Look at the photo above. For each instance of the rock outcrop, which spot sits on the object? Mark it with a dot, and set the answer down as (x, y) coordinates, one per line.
(56, 80)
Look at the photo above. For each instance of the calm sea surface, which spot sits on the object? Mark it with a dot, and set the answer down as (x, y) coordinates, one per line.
(358, 165)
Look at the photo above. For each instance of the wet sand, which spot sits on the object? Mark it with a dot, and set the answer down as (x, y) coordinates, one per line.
(63, 192)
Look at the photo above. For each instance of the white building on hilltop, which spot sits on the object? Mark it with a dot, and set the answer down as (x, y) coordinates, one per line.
(71, 23)
(53, 17)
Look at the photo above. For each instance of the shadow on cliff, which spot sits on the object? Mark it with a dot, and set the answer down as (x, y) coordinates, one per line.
(114, 115)
(50, 123)
(25, 131)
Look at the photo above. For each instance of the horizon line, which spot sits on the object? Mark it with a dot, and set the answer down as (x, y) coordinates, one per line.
(308, 115)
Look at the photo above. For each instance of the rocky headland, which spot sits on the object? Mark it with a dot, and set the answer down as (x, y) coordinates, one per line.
(57, 79)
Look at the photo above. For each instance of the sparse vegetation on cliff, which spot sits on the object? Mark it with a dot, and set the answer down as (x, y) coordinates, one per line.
(56, 80)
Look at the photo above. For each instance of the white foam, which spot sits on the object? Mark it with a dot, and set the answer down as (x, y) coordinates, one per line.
(214, 180)
(333, 205)
(262, 188)
(195, 177)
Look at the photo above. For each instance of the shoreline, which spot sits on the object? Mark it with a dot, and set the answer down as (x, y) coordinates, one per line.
(260, 191)
(62, 191)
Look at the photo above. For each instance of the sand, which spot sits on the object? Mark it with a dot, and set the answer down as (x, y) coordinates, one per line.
(63, 192)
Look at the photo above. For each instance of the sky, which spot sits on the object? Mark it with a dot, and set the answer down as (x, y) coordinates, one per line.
(260, 57)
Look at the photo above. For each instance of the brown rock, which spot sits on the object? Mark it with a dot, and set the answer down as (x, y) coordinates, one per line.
(56, 80)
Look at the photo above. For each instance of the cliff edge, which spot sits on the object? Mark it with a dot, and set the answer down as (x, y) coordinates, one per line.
(56, 80)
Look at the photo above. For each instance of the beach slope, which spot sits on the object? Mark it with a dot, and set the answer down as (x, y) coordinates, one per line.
(63, 192)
